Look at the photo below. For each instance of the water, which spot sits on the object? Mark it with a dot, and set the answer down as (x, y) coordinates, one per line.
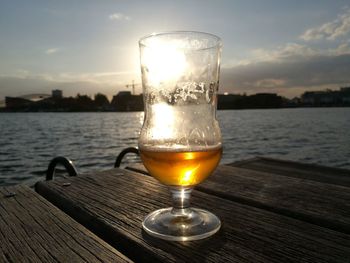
(28, 141)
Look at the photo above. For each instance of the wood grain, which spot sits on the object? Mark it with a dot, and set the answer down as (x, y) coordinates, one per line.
(113, 204)
(324, 204)
(313, 172)
(33, 230)
(319, 203)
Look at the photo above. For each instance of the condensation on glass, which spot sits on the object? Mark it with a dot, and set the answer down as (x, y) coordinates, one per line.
(180, 141)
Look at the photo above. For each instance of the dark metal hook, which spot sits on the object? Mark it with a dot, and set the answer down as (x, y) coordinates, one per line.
(68, 164)
(123, 153)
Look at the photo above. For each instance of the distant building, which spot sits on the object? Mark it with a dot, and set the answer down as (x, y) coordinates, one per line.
(327, 98)
(24, 102)
(345, 95)
(123, 94)
(227, 101)
(16, 102)
(318, 98)
(256, 101)
(57, 94)
(125, 101)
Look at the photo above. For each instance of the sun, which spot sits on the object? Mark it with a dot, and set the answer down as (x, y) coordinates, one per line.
(164, 62)
(163, 121)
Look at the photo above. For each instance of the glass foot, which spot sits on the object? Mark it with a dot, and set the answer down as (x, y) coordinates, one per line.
(181, 224)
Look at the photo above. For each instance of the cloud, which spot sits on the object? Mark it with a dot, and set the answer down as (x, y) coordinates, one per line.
(25, 82)
(119, 16)
(294, 68)
(292, 52)
(288, 51)
(12, 86)
(51, 51)
(108, 78)
(343, 48)
(270, 83)
(284, 76)
(337, 28)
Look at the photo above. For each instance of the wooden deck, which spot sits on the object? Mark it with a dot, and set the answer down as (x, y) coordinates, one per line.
(271, 210)
(293, 195)
(33, 230)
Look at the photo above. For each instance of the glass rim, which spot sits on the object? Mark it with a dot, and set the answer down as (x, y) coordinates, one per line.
(217, 43)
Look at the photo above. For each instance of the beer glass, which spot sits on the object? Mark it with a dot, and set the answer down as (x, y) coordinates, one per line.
(180, 140)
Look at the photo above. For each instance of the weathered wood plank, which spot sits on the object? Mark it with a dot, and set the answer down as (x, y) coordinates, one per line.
(313, 172)
(137, 167)
(113, 204)
(323, 204)
(33, 230)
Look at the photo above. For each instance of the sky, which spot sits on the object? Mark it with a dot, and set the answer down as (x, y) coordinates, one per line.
(86, 46)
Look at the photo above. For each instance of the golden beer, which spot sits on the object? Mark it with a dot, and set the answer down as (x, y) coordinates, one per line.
(180, 140)
(181, 168)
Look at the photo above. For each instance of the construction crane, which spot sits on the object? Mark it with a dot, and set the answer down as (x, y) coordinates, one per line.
(133, 85)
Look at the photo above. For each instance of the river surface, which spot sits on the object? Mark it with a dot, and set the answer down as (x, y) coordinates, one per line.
(28, 141)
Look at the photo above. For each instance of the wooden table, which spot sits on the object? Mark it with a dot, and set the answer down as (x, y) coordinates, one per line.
(271, 211)
(33, 230)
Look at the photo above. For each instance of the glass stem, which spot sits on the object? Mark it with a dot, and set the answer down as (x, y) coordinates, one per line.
(181, 200)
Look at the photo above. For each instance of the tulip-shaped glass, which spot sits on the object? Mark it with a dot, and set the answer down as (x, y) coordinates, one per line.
(180, 141)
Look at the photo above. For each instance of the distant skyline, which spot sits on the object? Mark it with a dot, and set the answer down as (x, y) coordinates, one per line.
(85, 46)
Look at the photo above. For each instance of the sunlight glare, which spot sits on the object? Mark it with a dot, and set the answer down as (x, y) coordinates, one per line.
(164, 120)
(188, 176)
(164, 61)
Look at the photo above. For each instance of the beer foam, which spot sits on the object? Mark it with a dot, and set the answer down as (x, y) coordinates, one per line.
(182, 93)
(173, 147)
